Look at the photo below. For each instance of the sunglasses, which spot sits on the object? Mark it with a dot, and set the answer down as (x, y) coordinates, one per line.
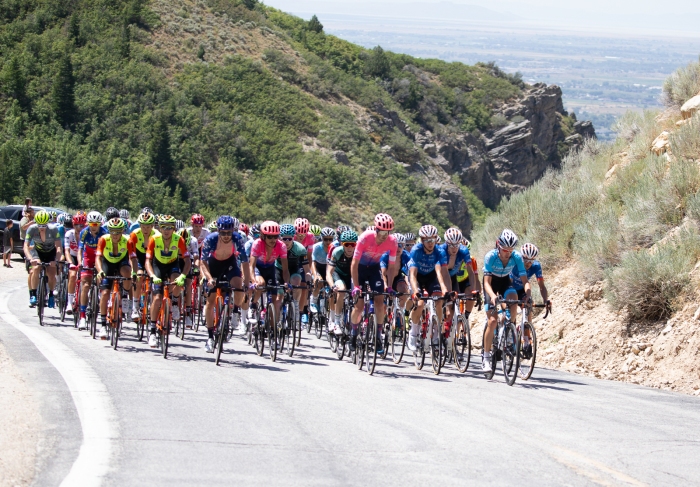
(429, 240)
(506, 250)
(287, 239)
(327, 239)
(453, 246)
(349, 244)
(42, 225)
(383, 233)
(271, 237)
(529, 260)
(410, 245)
(116, 232)
(93, 225)
(167, 227)
(226, 234)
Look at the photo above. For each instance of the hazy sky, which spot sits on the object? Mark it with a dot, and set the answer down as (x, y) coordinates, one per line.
(670, 16)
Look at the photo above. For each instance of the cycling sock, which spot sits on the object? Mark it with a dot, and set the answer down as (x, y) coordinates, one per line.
(210, 331)
(32, 292)
(152, 327)
(337, 319)
(103, 320)
(188, 311)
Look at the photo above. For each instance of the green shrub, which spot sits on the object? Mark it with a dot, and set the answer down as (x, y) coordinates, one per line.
(685, 141)
(597, 241)
(682, 85)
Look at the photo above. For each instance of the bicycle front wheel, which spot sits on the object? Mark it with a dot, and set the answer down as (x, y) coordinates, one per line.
(289, 331)
(528, 354)
(221, 334)
(489, 375)
(166, 316)
(371, 344)
(93, 302)
(462, 345)
(435, 348)
(510, 353)
(398, 338)
(271, 330)
(63, 298)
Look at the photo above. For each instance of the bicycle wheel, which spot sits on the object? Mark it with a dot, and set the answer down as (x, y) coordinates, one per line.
(489, 375)
(528, 356)
(271, 330)
(462, 345)
(41, 299)
(93, 303)
(259, 337)
(143, 316)
(398, 338)
(177, 328)
(290, 332)
(419, 354)
(76, 306)
(435, 348)
(166, 327)
(63, 298)
(360, 349)
(221, 333)
(510, 353)
(339, 344)
(117, 322)
(371, 344)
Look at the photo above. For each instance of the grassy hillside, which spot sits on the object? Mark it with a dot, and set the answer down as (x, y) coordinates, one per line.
(629, 216)
(218, 106)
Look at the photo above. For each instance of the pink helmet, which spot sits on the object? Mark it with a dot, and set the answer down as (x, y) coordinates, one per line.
(197, 219)
(270, 228)
(383, 222)
(301, 225)
(243, 228)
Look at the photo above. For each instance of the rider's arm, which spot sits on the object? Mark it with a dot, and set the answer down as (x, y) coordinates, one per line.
(27, 250)
(354, 270)
(386, 282)
(441, 270)
(329, 272)
(285, 269)
(413, 277)
(473, 280)
(487, 288)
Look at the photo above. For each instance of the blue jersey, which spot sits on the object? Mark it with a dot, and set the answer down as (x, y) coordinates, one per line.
(405, 258)
(463, 257)
(212, 240)
(61, 232)
(247, 246)
(319, 254)
(134, 226)
(494, 267)
(534, 270)
(88, 240)
(424, 262)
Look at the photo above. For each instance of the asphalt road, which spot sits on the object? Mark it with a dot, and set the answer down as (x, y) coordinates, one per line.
(129, 417)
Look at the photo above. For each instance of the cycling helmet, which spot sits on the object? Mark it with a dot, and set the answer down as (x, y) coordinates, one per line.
(167, 220)
(529, 251)
(124, 213)
(428, 231)
(94, 217)
(287, 230)
(508, 239)
(54, 215)
(226, 223)
(111, 212)
(185, 235)
(212, 226)
(243, 228)
(410, 236)
(400, 239)
(348, 236)
(255, 230)
(383, 222)
(453, 236)
(179, 224)
(301, 225)
(197, 219)
(146, 209)
(316, 230)
(370, 228)
(327, 232)
(68, 223)
(439, 239)
(467, 243)
(116, 224)
(42, 217)
(80, 218)
(146, 219)
(62, 218)
(270, 228)
(342, 228)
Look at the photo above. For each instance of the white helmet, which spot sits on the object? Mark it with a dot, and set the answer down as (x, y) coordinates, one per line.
(453, 236)
(94, 217)
(508, 239)
(428, 231)
(327, 232)
(179, 225)
(529, 251)
(400, 239)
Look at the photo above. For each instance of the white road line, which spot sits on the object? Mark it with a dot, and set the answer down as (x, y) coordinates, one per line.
(97, 416)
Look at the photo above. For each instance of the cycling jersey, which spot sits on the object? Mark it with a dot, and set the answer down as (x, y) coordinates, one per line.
(297, 257)
(139, 241)
(262, 259)
(340, 262)
(424, 262)
(464, 274)
(462, 257)
(309, 241)
(405, 258)
(158, 252)
(192, 247)
(369, 253)
(248, 245)
(494, 267)
(211, 242)
(203, 235)
(334, 245)
(50, 237)
(105, 248)
(534, 270)
(71, 243)
(61, 232)
(319, 254)
(88, 241)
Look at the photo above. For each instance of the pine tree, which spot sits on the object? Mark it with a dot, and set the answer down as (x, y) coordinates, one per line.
(124, 41)
(15, 82)
(315, 25)
(250, 4)
(37, 186)
(63, 92)
(159, 152)
(74, 30)
(378, 63)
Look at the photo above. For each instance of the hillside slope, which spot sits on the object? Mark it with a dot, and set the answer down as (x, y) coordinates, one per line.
(225, 105)
(619, 232)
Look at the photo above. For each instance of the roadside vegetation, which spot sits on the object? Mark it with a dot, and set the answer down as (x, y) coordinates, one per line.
(627, 216)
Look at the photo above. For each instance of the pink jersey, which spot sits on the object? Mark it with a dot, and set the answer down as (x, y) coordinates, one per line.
(367, 252)
(259, 251)
(309, 241)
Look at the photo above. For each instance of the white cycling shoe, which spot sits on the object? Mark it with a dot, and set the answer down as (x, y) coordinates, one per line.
(135, 315)
(82, 324)
(152, 340)
(209, 346)
(188, 321)
(486, 364)
(103, 333)
(313, 308)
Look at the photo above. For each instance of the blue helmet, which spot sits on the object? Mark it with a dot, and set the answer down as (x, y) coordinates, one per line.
(287, 230)
(226, 223)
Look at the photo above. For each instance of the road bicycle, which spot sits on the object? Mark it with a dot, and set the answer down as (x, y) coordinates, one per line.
(369, 336)
(265, 326)
(429, 336)
(76, 299)
(114, 309)
(288, 326)
(396, 334)
(144, 307)
(62, 288)
(340, 343)
(505, 346)
(165, 318)
(42, 291)
(93, 302)
(319, 320)
(223, 316)
(528, 353)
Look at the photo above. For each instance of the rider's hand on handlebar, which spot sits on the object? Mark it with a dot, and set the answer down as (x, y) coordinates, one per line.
(157, 280)
(390, 291)
(356, 291)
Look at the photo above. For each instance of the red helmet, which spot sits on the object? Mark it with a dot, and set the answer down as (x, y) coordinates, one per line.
(80, 218)
(301, 225)
(383, 222)
(243, 228)
(197, 219)
(270, 228)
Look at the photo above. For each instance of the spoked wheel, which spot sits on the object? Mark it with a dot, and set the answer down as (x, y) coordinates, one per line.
(199, 310)
(63, 298)
(221, 332)
(419, 354)
(93, 303)
(360, 349)
(116, 318)
(510, 353)
(143, 318)
(528, 354)
(435, 348)
(398, 338)
(489, 375)
(339, 345)
(385, 340)
(271, 330)
(259, 338)
(319, 323)
(177, 328)
(166, 328)
(462, 345)
(371, 344)
(41, 300)
(290, 333)
(76, 307)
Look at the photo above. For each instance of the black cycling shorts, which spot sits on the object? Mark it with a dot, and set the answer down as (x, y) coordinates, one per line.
(112, 269)
(429, 282)
(46, 257)
(458, 286)
(224, 270)
(371, 274)
(500, 285)
(164, 272)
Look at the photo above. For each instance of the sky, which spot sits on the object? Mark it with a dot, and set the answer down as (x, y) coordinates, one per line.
(670, 17)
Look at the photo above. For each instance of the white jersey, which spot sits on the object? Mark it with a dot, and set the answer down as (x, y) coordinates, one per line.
(202, 236)
(70, 242)
(193, 247)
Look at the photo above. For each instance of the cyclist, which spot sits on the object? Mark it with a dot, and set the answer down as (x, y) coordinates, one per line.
(138, 241)
(308, 240)
(136, 224)
(316, 231)
(410, 241)
(371, 245)
(338, 273)
(24, 224)
(162, 255)
(533, 267)
(399, 283)
(193, 249)
(197, 229)
(221, 253)
(112, 261)
(499, 263)
(319, 261)
(263, 256)
(427, 271)
(70, 245)
(297, 263)
(87, 253)
(457, 256)
(47, 249)
(126, 216)
(110, 213)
